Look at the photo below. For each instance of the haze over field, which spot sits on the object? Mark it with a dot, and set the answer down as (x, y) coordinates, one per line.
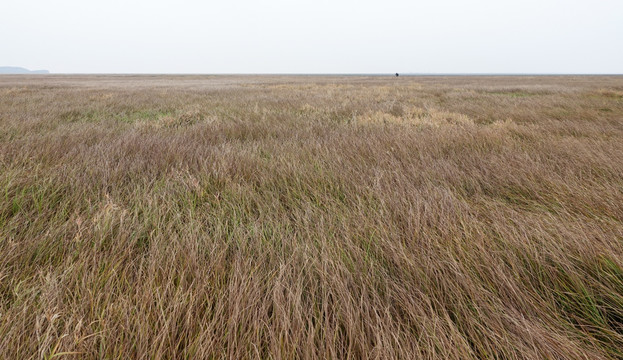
(279, 36)
(20, 70)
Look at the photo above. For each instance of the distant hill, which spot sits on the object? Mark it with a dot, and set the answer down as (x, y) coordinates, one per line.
(20, 70)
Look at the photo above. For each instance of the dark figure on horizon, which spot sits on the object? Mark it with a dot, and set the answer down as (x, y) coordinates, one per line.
(397, 75)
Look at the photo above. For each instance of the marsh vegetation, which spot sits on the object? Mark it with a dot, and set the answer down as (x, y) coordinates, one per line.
(195, 217)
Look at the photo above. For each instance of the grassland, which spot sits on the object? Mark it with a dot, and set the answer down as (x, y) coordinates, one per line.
(161, 217)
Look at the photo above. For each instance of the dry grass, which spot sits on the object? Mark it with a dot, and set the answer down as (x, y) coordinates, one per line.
(311, 217)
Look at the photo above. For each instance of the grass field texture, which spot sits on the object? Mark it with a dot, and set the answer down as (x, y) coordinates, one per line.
(281, 217)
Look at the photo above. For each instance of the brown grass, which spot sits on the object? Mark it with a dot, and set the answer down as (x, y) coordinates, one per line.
(311, 217)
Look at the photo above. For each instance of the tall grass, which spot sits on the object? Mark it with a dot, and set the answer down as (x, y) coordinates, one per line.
(311, 217)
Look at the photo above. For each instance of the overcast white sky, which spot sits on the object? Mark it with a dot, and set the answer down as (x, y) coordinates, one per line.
(313, 36)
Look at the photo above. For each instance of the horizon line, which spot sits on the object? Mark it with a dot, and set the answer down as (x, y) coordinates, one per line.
(332, 74)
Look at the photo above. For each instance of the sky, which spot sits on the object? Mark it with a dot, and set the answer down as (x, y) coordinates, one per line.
(313, 36)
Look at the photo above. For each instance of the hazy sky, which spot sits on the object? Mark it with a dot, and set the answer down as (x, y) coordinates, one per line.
(319, 36)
